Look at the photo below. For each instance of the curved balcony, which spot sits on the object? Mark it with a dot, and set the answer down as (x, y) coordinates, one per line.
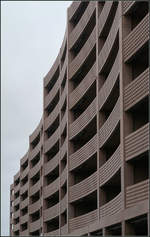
(51, 212)
(52, 71)
(24, 203)
(63, 204)
(24, 173)
(52, 233)
(24, 219)
(52, 140)
(63, 96)
(24, 158)
(110, 167)
(16, 176)
(105, 52)
(16, 227)
(73, 9)
(35, 169)
(63, 70)
(36, 132)
(35, 151)
(78, 61)
(51, 118)
(16, 214)
(112, 207)
(50, 96)
(35, 207)
(63, 177)
(137, 193)
(83, 87)
(36, 225)
(137, 142)
(136, 90)
(35, 188)
(16, 201)
(109, 84)
(83, 120)
(83, 188)
(127, 5)
(79, 28)
(24, 188)
(16, 188)
(51, 188)
(51, 164)
(63, 149)
(83, 220)
(63, 122)
(104, 16)
(136, 39)
(83, 154)
(64, 230)
(111, 123)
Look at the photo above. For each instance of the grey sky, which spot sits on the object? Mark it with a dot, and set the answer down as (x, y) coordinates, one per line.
(32, 33)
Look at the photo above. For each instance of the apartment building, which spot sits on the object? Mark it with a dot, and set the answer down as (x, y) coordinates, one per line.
(86, 170)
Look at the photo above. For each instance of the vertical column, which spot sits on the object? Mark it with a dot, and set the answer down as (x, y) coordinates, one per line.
(59, 144)
(41, 174)
(70, 209)
(125, 123)
(97, 109)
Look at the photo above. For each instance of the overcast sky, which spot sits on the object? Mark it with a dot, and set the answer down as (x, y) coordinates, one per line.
(32, 33)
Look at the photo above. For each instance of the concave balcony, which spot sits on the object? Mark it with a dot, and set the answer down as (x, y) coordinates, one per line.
(50, 96)
(52, 140)
(35, 169)
(83, 220)
(136, 193)
(24, 203)
(137, 142)
(63, 177)
(103, 18)
(63, 96)
(111, 207)
(51, 188)
(63, 204)
(111, 123)
(83, 188)
(110, 167)
(109, 84)
(51, 118)
(85, 118)
(24, 173)
(35, 151)
(63, 150)
(83, 87)
(24, 219)
(35, 206)
(136, 90)
(83, 154)
(109, 43)
(52, 233)
(83, 54)
(80, 27)
(51, 212)
(127, 5)
(36, 225)
(35, 188)
(136, 39)
(51, 164)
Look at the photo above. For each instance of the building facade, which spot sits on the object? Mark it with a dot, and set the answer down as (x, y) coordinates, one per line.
(86, 170)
